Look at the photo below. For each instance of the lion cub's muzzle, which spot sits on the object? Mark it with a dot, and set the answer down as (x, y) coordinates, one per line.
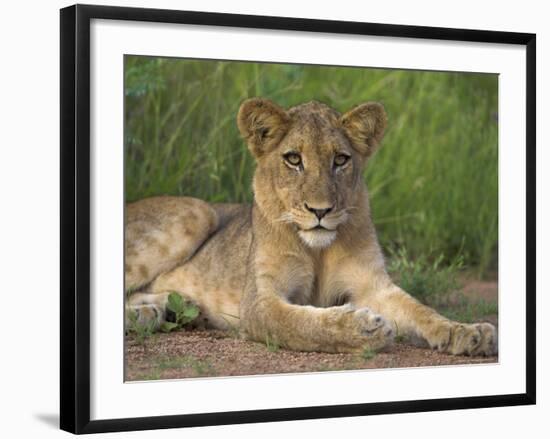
(321, 218)
(319, 212)
(317, 226)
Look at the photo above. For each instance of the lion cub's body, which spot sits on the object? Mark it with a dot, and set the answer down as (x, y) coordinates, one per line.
(302, 264)
(214, 276)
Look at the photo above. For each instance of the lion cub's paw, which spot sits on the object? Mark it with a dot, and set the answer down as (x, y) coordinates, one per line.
(465, 339)
(148, 315)
(473, 339)
(375, 328)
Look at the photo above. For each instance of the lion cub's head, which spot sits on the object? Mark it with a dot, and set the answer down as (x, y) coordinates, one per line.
(309, 162)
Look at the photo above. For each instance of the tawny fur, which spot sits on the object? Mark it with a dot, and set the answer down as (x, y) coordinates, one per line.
(278, 270)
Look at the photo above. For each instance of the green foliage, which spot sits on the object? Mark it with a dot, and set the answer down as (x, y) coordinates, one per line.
(141, 330)
(272, 344)
(184, 311)
(425, 278)
(143, 79)
(163, 363)
(433, 184)
(368, 354)
(169, 326)
(468, 311)
(437, 285)
(400, 337)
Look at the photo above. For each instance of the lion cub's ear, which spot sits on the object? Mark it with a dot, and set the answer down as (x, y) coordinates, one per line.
(262, 124)
(365, 125)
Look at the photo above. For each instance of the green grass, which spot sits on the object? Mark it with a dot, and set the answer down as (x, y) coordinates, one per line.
(150, 376)
(200, 367)
(425, 277)
(467, 311)
(438, 286)
(433, 184)
(141, 331)
(272, 344)
(162, 363)
(368, 354)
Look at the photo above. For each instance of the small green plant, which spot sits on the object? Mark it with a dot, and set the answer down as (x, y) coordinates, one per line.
(184, 311)
(427, 279)
(437, 285)
(141, 330)
(272, 344)
(368, 354)
(399, 336)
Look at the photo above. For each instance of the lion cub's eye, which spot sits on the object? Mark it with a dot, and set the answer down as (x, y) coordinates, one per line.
(293, 158)
(341, 160)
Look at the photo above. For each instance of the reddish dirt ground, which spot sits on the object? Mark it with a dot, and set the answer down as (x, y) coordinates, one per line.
(215, 353)
(186, 354)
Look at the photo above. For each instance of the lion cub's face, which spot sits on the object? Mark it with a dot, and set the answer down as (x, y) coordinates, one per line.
(310, 161)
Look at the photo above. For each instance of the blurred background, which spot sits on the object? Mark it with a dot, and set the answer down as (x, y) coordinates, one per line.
(433, 183)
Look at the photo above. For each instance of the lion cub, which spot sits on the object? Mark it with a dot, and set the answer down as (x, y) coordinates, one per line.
(302, 264)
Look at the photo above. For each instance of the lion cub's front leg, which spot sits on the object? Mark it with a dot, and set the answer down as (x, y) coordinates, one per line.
(270, 307)
(410, 316)
(267, 312)
(307, 328)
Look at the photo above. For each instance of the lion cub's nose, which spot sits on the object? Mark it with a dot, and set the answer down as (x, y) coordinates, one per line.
(319, 213)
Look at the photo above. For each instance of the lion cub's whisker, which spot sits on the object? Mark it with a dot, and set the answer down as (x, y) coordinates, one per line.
(284, 218)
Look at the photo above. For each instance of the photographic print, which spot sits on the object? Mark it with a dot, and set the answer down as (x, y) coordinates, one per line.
(289, 218)
(305, 218)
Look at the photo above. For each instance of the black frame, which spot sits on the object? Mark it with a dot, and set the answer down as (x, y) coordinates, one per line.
(75, 217)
